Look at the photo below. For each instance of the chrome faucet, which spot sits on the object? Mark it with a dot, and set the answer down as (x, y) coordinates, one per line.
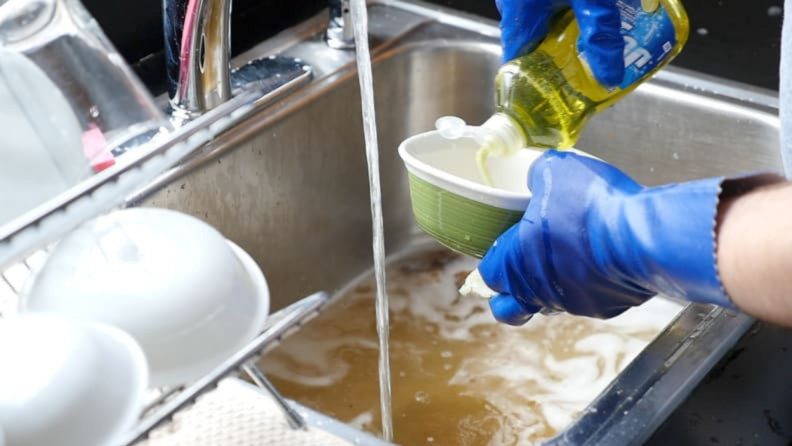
(340, 34)
(197, 49)
(198, 60)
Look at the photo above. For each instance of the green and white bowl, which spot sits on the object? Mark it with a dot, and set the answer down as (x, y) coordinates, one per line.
(450, 199)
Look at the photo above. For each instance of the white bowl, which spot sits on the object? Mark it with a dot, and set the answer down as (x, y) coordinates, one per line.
(451, 200)
(67, 382)
(187, 295)
(451, 165)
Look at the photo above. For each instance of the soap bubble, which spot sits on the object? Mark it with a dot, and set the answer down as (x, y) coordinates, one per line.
(422, 397)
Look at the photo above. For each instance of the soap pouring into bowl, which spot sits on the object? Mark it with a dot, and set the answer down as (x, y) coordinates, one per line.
(451, 200)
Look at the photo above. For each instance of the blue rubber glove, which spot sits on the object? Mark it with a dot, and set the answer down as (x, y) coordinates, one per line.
(524, 23)
(594, 242)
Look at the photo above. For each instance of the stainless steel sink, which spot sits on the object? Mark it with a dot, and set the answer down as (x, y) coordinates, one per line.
(290, 184)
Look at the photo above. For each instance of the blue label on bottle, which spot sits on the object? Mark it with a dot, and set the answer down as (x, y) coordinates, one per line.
(649, 37)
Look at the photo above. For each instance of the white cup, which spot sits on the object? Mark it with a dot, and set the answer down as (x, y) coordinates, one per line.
(67, 382)
(186, 294)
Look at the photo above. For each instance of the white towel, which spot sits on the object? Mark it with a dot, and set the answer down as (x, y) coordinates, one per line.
(236, 414)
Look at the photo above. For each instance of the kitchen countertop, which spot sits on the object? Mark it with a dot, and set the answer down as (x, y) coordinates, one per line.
(745, 400)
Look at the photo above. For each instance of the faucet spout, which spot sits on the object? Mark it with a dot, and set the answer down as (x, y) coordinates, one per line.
(197, 51)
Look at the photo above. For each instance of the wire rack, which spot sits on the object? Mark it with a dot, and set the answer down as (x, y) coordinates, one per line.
(26, 242)
(279, 326)
(14, 279)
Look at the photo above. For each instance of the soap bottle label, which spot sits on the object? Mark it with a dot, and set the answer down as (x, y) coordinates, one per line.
(649, 37)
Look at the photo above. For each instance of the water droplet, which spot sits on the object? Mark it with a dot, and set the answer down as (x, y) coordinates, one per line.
(430, 439)
(422, 397)
(702, 31)
(675, 156)
(446, 354)
(774, 11)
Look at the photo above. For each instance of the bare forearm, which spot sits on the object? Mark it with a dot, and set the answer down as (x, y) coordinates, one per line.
(754, 252)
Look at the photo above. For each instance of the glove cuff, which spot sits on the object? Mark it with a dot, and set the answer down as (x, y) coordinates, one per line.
(671, 236)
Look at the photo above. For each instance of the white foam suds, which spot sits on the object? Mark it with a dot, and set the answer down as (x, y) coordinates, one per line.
(493, 384)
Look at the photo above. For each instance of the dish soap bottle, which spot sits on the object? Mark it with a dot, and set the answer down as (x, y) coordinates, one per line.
(545, 98)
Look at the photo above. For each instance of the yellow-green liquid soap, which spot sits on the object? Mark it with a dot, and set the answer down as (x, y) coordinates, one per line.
(545, 98)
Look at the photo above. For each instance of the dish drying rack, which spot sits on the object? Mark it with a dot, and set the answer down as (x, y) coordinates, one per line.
(26, 242)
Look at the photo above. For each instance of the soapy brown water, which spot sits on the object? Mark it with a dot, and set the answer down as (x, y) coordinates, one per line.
(459, 377)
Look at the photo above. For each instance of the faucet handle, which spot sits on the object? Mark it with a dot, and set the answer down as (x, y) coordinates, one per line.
(340, 34)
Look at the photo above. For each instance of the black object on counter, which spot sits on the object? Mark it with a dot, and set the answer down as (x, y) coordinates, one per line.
(736, 40)
(733, 39)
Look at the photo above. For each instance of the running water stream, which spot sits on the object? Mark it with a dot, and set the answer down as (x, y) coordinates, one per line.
(360, 26)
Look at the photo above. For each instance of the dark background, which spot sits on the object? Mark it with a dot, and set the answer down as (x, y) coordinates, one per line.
(735, 39)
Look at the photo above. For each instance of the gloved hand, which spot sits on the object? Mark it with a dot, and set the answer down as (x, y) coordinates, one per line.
(524, 23)
(594, 242)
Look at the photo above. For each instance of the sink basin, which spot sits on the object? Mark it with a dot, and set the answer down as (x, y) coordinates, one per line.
(290, 184)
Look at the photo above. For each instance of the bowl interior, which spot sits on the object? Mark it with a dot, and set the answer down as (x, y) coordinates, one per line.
(451, 165)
